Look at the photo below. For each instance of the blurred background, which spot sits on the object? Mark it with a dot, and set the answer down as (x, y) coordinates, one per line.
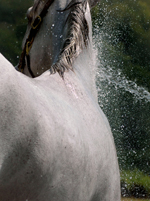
(121, 36)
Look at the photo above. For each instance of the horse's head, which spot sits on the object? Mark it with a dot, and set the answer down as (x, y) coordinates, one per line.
(57, 33)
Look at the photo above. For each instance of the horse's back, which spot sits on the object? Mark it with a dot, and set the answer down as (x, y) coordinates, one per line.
(54, 142)
(74, 147)
(75, 144)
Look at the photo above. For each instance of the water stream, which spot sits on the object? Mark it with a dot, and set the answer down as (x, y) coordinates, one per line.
(126, 105)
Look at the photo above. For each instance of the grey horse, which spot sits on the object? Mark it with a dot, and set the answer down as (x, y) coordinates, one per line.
(55, 141)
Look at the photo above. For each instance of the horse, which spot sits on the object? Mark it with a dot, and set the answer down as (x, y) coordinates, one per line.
(55, 142)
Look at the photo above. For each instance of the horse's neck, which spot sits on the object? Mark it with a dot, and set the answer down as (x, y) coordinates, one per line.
(85, 64)
(84, 67)
(49, 51)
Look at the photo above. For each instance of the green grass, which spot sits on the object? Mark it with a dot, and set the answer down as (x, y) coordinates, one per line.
(135, 178)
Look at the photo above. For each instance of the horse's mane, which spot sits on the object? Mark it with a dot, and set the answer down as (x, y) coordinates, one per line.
(77, 37)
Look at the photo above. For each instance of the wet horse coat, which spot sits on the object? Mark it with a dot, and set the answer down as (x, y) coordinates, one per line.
(55, 142)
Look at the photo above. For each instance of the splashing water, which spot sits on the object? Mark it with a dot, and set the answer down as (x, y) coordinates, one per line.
(126, 105)
(106, 73)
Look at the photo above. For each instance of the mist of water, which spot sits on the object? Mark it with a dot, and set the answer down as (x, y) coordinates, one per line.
(107, 73)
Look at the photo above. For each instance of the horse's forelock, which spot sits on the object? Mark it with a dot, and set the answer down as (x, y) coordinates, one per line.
(77, 37)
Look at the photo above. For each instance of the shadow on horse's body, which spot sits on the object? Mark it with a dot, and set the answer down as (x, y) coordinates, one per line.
(55, 142)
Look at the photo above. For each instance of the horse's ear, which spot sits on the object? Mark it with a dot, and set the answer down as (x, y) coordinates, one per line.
(93, 2)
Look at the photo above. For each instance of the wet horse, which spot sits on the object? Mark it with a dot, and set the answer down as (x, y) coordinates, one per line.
(55, 142)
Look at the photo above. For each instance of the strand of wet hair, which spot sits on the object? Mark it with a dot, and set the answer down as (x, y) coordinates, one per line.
(77, 39)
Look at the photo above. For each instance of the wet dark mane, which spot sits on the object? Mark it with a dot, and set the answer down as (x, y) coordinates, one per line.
(77, 37)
